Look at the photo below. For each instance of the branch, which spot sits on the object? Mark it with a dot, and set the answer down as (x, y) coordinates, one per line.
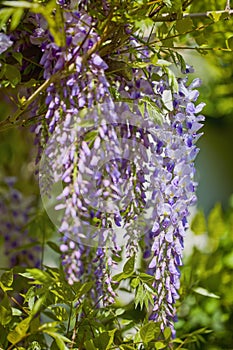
(166, 17)
(14, 120)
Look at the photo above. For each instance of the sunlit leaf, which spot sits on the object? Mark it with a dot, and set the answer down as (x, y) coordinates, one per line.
(198, 225)
(205, 292)
(230, 43)
(149, 332)
(184, 25)
(128, 268)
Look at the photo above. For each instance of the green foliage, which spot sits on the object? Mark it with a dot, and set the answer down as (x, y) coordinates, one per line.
(207, 283)
(52, 309)
(14, 11)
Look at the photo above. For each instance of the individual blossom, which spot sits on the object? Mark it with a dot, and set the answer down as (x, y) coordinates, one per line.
(5, 42)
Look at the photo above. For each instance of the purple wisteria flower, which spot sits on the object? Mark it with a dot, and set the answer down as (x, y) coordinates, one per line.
(174, 193)
(172, 142)
(71, 147)
(117, 161)
(19, 248)
(5, 42)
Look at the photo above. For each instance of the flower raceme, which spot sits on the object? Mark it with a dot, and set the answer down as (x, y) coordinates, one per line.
(19, 248)
(127, 162)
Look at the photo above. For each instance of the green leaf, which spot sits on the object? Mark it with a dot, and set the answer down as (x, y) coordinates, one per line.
(91, 135)
(38, 304)
(141, 107)
(4, 288)
(30, 297)
(128, 268)
(228, 260)
(172, 80)
(23, 4)
(163, 63)
(59, 339)
(19, 332)
(12, 74)
(7, 278)
(154, 59)
(160, 345)
(215, 16)
(152, 109)
(34, 346)
(135, 282)
(167, 99)
(84, 289)
(60, 312)
(216, 223)
(16, 312)
(230, 43)
(198, 225)
(119, 311)
(201, 39)
(40, 277)
(184, 25)
(55, 23)
(168, 3)
(126, 347)
(5, 14)
(139, 296)
(119, 276)
(140, 64)
(149, 332)
(16, 17)
(181, 61)
(5, 315)
(205, 292)
(18, 56)
(145, 277)
(54, 247)
(105, 340)
(168, 42)
(85, 123)
(89, 345)
(167, 333)
(48, 326)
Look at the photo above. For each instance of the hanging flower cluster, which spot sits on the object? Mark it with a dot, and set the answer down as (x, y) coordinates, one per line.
(143, 150)
(19, 248)
(172, 180)
(174, 183)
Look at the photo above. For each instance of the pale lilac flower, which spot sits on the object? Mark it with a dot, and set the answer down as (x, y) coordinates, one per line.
(5, 42)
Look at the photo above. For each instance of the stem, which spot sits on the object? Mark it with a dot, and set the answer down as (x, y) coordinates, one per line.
(197, 48)
(166, 17)
(69, 320)
(228, 6)
(10, 121)
(12, 346)
(42, 250)
(20, 306)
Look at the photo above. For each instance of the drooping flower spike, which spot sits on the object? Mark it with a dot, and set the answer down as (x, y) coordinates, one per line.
(118, 159)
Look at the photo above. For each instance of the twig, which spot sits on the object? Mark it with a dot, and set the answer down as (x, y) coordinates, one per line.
(11, 121)
(228, 6)
(167, 17)
(20, 306)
